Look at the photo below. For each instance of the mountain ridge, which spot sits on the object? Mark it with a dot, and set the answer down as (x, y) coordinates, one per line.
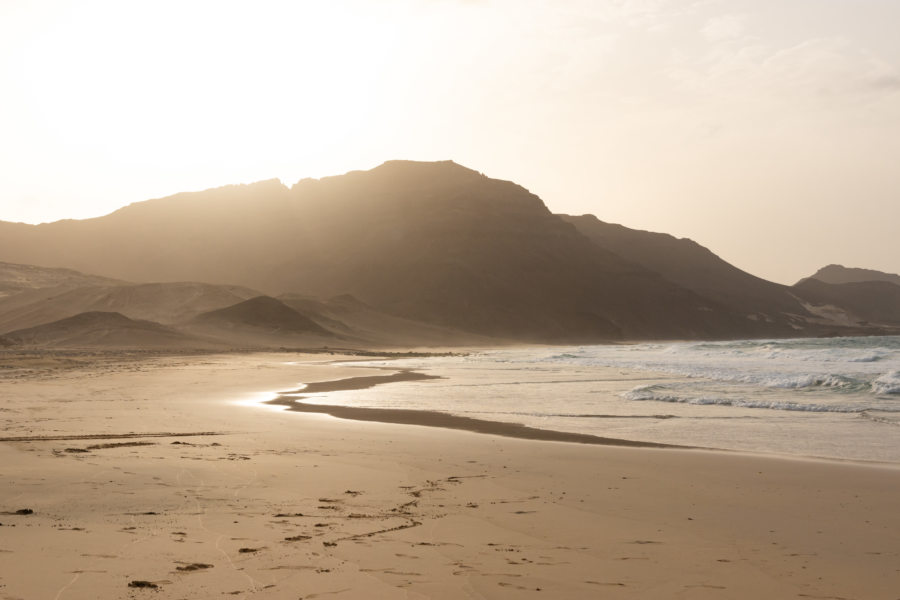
(840, 274)
(432, 242)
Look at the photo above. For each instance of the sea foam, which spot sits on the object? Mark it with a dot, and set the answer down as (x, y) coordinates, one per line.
(838, 364)
(889, 383)
(657, 393)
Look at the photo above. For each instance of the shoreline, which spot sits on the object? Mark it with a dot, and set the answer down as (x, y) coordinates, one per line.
(429, 418)
(291, 401)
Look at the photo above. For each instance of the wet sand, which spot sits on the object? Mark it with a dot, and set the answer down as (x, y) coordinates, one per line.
(427, 418)
(171, 478)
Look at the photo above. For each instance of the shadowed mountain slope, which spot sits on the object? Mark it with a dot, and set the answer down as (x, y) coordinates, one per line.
(687, 263)
(346, 316)
(106, 330)
(262, 312)
(193, 236)
(262, 322)
(441, 243)
(842, 274)
(811, 305)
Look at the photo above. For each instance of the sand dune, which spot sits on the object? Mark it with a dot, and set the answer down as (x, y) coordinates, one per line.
(263, 322)
(264, 313)
(16, 278)
(245, 317)
(163, 302)
(348, 316)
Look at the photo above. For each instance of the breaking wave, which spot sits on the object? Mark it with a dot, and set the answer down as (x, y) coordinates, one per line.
(889, 383)
(658, 393)
(869, 364)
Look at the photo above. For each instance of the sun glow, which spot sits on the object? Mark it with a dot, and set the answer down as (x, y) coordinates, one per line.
(208, 93)
(261, 400)
(703, 119)
(246, 86)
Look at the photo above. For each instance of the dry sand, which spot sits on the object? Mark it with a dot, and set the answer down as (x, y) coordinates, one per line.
(251, 501)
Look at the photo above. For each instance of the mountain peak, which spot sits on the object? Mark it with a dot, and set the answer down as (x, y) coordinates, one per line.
(840, 274)
(417, 170)
(436, 165)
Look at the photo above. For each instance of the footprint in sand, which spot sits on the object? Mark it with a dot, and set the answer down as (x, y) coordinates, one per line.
(194, 567)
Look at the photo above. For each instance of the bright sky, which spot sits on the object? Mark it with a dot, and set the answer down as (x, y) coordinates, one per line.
(766, 130)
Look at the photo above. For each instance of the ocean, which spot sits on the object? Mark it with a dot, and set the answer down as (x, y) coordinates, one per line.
(835, 398)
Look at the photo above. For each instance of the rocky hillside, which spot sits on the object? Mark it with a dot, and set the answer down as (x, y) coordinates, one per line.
(686, 263)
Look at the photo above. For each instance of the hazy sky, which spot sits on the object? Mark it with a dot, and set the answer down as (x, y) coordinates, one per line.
(767, 130)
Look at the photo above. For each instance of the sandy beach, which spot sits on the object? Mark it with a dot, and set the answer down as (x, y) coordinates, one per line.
(169, 477)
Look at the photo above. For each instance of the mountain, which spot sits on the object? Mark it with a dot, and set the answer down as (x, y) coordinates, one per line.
(855, 303)
(688, 264)
(842, 274)
(428, 242)
(433, 242)
(194, 236)
(106, 330)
